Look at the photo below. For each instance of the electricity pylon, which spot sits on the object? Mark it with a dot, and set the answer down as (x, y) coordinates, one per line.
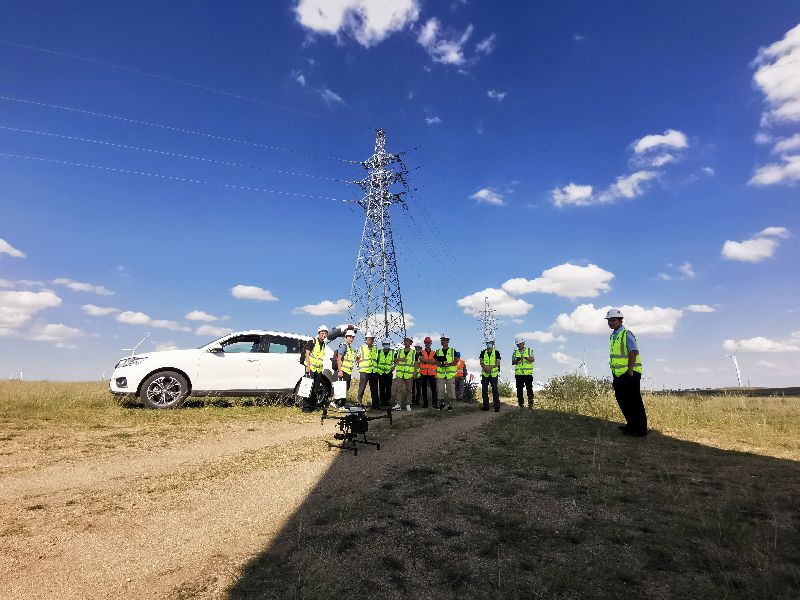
(488, 322)
(375, 301)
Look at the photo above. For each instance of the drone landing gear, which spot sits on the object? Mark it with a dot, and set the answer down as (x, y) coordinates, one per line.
(352, 443)
(352, 425)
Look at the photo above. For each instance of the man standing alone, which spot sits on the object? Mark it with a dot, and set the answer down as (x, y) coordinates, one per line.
(523, 360)
(490, 370)
(626, 367)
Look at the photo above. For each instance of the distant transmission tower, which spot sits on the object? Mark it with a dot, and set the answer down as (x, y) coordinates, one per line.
(488, 322)
(375, 301)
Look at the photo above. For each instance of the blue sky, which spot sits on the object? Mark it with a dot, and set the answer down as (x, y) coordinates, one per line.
(571, 157)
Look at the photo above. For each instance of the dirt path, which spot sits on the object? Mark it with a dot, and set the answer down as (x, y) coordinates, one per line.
(180, 522)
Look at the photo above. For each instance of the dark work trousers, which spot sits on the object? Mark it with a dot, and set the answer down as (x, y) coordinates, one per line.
(385, 387)
(525, 381)
(416, 392)
(425, 382)
(627, 389)
(313, 400)
(485, 383)
(370, 379)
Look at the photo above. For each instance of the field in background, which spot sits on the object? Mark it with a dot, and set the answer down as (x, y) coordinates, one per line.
(550, 503)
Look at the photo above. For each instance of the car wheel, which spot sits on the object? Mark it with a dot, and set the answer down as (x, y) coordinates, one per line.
(165, 389)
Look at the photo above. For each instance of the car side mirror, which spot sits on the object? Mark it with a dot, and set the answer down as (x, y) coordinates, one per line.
(216, 350)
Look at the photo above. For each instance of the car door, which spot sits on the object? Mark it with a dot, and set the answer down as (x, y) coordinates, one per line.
(281, 366)
(235, 368)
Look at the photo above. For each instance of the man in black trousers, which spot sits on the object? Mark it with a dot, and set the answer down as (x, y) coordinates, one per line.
(626, 367)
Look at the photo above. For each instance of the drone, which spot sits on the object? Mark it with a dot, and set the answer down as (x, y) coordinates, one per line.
(355, 423)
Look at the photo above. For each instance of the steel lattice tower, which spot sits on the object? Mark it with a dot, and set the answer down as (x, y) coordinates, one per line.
(375, 301)
(488, 322)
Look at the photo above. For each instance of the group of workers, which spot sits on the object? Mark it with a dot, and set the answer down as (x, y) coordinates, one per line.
(400, 379)
(408, 374)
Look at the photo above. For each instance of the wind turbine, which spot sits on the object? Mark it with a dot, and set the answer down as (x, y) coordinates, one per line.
(583, 365)
(736, 364)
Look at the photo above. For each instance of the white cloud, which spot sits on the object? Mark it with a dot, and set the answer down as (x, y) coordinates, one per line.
(252, 292)
(299, 77)
(671, 138)
(504, 304)
(330, 97)
(486, 46)
(18, 307)
(446, 49)
(131, 317)
(762, 344)
(787, 144)
(211, 330)
(567, 280)
(563, 359)
(778, 77)
(684, 271)
(6, 248)
(434, 120)
(760, 247)
(367, 21)
(577, 37)
(542, 337)
(54, 332)
(326, 307)
(788, 170)
(98, 311)
(164, 346)
(79, 286)
(708, 171)
(376, 323)
(9, 283)
(660, 160)
(494, 94)
(579, 195)
(627, 186)
(199, 315)
(589, 320)
(699, 308)
(488, 196)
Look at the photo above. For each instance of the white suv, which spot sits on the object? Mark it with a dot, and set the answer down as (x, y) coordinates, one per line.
(247, 363)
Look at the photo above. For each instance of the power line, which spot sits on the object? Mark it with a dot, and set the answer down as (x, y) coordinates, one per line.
(167, 153)
(169, 177)
(178, 129)
(190, 84)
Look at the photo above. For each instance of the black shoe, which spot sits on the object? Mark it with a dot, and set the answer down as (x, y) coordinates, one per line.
(623, 428)
(484, 408)
(496, 410)
(449, 407)
(632, 433)
(424, 406)
(521, 406)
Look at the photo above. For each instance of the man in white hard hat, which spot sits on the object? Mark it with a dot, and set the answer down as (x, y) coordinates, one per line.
(626, 368)
(405, 374)
(523, 360)
(446, 367)
(315, 356)
(490, 372)
(367, 359)
(345, 357)
(386, 367)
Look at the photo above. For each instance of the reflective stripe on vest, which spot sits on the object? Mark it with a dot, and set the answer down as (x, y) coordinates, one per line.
(385, 362)
(618, 354)
(405, 368)
(460, 368)
(446, 372)
(428, 369)
(347, 361)
(317, 356)
(523, 368)
(367, 359)
(490, 360)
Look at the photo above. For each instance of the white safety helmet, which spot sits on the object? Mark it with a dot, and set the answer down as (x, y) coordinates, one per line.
(322, 328)
(386, 342)
(614, 313)
(519, 340)
(350, 332)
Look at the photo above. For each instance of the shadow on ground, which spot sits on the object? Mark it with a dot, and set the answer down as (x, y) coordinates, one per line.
(537, 505)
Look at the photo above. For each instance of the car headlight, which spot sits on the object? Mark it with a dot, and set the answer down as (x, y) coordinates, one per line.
(130, 362)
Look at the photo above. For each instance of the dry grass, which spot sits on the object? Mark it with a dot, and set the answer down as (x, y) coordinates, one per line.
(553, 504)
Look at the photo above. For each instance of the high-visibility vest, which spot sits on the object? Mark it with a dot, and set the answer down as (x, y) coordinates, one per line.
(618, 354)
(347, 360)
(317, 356)
(385, 362)
(523, 367)
(367, 359)
(446, 372)
(460, 370)
(490, 359)
(405, 368)
(427, 368)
